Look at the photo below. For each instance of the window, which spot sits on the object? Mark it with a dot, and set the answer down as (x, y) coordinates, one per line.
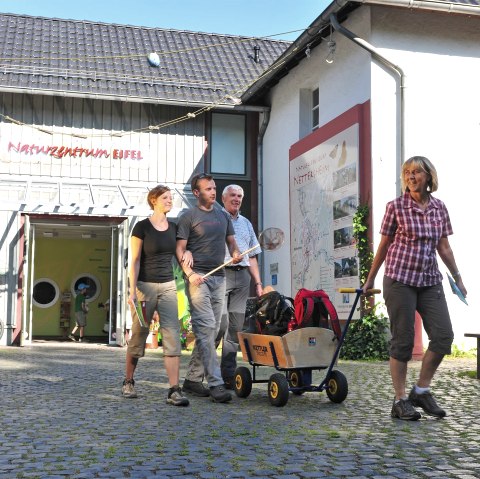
(94, 287)
(315, 109)
(309, 111)
(45, 293)
(227, 146)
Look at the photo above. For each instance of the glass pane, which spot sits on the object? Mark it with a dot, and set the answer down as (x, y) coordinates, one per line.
(228, 144)
(315, 118)
(315, 98)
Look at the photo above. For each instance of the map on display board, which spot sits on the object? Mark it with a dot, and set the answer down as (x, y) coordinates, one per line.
(324, 191)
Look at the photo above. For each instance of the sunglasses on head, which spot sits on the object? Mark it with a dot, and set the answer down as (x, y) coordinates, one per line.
(200, 177)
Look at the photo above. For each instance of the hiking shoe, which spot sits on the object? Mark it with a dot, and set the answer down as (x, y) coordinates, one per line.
(128, 390)
(229, 383)
(404, 409)
(176, 397)
(195, 388)
(72, 337)
(219, 394)
(427, 402)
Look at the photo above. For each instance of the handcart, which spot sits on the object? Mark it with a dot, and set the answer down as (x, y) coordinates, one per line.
(296, 355)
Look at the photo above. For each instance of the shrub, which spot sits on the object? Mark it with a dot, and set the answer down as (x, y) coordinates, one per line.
(367, 338)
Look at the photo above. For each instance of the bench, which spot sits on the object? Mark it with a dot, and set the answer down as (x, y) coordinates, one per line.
(476, 335)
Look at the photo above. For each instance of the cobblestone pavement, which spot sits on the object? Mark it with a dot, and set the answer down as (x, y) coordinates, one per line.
(62, 415)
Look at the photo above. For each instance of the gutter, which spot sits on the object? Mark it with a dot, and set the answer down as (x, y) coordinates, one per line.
(428, 5)
(401, 91)
(130, 99)
(322, 22)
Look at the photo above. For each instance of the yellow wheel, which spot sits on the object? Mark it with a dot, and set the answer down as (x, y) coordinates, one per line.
(243, 382)
(337, 387)
(278, 390)
(295, 379)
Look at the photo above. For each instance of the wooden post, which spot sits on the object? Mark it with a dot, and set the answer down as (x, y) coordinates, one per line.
(418, 342)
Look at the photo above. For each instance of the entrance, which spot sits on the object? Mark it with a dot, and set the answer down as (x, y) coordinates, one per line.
(60, 253)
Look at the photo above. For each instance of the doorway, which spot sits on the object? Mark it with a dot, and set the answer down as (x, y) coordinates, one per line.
(62, 252)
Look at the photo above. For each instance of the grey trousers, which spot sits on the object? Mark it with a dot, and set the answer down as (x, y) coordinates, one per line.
(206, 305)
(233, 317)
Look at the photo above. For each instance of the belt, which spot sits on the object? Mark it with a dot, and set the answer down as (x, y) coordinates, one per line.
(236, 268)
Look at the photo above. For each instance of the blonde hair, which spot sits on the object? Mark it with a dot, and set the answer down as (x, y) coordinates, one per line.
(424, 164)
(155, 193)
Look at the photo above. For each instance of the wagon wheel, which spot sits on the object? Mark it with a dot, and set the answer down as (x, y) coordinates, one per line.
(278, 390)
(337, 387)
(296, 380)
(243, 382)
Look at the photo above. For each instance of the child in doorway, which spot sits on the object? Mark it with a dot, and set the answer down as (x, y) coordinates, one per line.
(81, 310)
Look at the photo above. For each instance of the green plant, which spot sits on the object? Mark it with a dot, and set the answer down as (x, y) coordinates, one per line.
(360, 233)
(461, 353)
(367, 337)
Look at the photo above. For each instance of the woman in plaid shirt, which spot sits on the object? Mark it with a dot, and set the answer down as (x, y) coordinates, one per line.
(415, 227)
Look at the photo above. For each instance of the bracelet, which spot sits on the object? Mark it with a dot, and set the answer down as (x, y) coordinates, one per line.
(457, 274)
(190, 274)
(258, 284)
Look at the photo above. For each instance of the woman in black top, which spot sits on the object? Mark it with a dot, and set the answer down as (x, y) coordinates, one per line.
(151, 281)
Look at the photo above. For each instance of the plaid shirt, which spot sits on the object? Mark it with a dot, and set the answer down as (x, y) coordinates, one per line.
(245, 238)
(412, 257)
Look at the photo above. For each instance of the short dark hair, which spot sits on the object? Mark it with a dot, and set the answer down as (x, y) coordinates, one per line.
(198, 177)
(155, 193)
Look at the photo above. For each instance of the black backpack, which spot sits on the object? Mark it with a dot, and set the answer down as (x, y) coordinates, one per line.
(272, 313)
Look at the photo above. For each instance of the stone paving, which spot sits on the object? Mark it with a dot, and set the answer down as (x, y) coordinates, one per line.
(62, 415)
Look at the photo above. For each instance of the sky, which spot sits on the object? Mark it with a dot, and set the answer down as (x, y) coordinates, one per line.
(256, 18)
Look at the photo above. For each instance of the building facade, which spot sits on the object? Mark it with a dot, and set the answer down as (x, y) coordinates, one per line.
(92, 116)
(369, 84)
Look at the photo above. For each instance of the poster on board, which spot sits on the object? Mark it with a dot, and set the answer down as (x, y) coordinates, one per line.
(324, 196)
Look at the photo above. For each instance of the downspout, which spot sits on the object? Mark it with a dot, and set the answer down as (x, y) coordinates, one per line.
(397, 70)
(261, 134)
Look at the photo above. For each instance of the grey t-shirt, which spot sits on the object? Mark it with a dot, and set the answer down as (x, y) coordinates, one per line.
(206, 233)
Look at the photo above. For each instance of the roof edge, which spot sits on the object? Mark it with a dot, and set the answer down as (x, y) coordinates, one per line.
(323, 20)
(131, 99)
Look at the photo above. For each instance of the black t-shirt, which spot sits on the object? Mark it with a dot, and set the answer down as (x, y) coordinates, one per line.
(158, 249)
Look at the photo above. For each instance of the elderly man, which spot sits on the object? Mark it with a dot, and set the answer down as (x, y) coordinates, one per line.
(238, 282)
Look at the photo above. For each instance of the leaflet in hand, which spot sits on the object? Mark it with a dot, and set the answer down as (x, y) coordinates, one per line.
(456, 289)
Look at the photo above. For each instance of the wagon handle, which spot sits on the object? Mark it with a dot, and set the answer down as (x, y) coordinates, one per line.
(359, 290)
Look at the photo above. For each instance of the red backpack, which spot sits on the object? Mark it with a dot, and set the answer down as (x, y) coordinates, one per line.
(314, 308)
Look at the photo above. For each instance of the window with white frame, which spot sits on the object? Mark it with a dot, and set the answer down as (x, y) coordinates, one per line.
(315, 109)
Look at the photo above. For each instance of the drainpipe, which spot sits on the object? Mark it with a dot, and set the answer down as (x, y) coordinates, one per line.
(261, 134)
(392, 67)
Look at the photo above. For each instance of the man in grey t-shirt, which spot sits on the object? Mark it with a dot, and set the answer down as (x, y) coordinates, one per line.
(204, 230)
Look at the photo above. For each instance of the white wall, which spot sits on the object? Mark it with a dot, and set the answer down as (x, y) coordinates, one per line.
(338, 93)
(440, 57)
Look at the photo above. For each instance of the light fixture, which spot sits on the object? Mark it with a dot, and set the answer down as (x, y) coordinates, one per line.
(153, 59)
(308, 51)
(331, 51)
(48, 234)
(86, 235)
(331, 47)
